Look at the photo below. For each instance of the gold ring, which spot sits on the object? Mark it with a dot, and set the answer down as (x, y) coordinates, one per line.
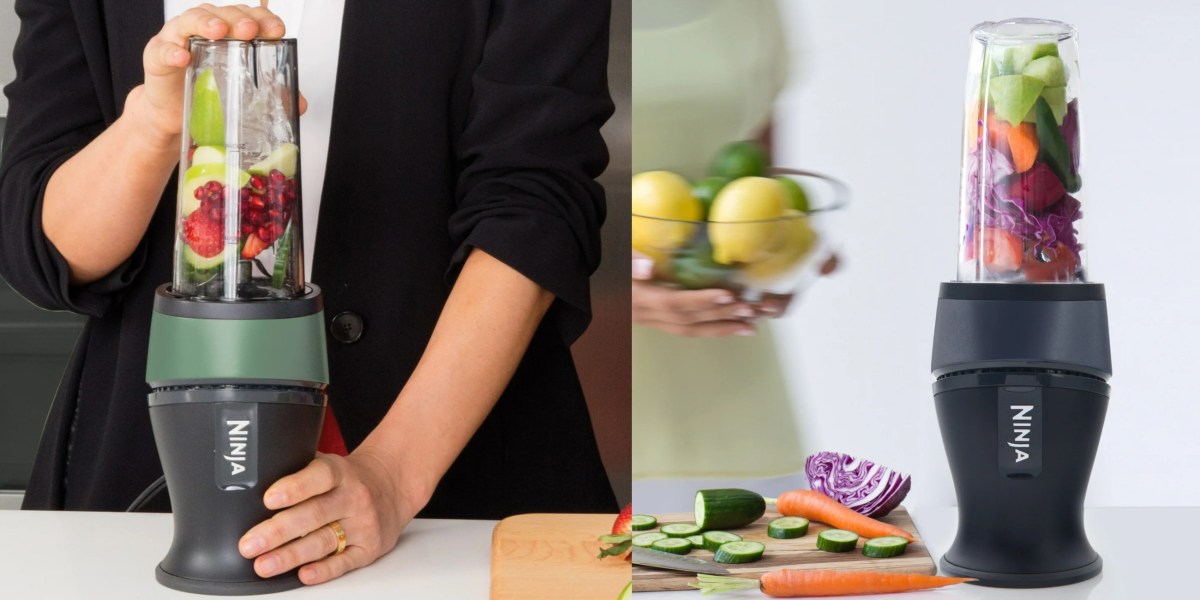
(337, 530)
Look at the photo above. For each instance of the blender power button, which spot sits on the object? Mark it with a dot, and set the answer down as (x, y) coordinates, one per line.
(346, 327)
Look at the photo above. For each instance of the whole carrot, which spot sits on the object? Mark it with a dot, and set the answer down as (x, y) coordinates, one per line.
(816, 506)
(793, 583)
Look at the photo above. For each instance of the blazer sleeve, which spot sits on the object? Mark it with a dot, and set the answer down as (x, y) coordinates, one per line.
(531, 149)
(54, 111)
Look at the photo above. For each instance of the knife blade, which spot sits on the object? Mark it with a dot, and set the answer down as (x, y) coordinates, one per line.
(675, 562)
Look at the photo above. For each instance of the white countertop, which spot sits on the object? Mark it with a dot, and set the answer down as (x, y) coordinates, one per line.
(97, 556)
(1133, 568)
(75, 555)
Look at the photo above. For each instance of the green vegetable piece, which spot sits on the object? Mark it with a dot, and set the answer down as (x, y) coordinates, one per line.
(645, 539)
(716, 539)
(736, 553)
(207, 122)
(1014, 95)
(1049, 69)
(728, 508)
(1021, 56)
(672, 545)
(697, 541)
(680, 530)
(885, 547)
(283, 249)
(787, 528)
(642, 522)
(837, 540)
(1053, 149)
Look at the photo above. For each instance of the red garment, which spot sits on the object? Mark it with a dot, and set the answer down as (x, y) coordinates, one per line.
(331, 441)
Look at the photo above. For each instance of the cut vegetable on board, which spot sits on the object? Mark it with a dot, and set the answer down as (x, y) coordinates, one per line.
(862, 485)
(728, 508)
(793, 583)
(816, 506)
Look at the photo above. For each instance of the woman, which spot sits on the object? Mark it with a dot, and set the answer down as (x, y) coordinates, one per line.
(458, 224)
(706, 73)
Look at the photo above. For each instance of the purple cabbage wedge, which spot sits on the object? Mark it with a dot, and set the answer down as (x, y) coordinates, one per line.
(861, 485)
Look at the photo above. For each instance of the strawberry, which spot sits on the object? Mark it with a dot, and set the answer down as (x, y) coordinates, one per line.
(620, 540)
(202, 234)
(254, 245)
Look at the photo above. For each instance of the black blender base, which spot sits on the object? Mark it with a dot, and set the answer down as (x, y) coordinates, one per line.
(1024, 580)
(279, 583)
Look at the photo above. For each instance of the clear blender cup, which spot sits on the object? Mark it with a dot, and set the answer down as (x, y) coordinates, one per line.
(238, 225)
(1022, 185)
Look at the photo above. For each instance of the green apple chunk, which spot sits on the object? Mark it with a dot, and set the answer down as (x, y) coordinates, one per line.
(207, 121)
(1014, 95)
(283, 158)
(1049, 69)
(208, 155)
(1021, 56)
(198, 175)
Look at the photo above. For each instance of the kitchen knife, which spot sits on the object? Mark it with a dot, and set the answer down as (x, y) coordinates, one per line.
(675, 562)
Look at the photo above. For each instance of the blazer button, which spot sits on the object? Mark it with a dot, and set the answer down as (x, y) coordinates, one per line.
(346, 327)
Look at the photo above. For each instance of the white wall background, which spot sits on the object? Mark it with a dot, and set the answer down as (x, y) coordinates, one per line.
(877, 100)
(9, 25)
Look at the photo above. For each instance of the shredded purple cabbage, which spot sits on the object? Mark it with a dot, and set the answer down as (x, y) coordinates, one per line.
(867, 488)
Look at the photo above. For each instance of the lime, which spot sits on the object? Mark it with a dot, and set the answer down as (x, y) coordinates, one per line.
(695, 269)
(797, 197)
(662, 195)
(742, 224)
(207, 121)
(739, 159)
(706, 191)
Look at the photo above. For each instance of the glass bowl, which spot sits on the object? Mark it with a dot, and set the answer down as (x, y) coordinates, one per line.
(759, 259)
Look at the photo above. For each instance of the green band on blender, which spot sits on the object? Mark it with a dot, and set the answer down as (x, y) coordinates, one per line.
(189, 351)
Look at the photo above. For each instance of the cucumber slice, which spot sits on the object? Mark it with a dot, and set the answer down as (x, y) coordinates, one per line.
(728, 508)
(643, 522)
(679, 530)
(697, 541)
(201, 263)
(885, 547)
(837, 540)
(643, 540)
(734, 553)
(672, 545)
(787, 528)
(279, 273)
(714, 539)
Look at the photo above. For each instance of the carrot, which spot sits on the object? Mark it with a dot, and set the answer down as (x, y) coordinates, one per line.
(1023, 144)
(997, 130)
(819, 507)
(793, 583)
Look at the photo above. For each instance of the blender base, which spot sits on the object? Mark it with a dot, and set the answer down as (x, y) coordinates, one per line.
(1023, 580)
(279, 583)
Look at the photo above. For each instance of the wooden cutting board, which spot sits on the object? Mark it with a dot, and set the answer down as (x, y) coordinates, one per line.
(553, 557)
(800, 553)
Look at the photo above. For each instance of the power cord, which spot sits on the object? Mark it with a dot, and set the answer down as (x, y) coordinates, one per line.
(148, 494)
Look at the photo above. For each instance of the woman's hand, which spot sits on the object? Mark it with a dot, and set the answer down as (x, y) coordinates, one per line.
(158, 103)
(361, 492)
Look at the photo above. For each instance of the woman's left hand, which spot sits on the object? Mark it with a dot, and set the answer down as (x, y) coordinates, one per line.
(360, 492)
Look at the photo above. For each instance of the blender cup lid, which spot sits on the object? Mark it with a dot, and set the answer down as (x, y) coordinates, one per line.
(1023, 30)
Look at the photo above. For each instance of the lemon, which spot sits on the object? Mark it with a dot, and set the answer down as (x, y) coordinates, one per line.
(797, 241)
(742, 227)
(739, 159)
(207, 121)
(662, 195)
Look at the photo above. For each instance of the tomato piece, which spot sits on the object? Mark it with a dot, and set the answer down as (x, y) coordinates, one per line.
(1002, 251)
(1059, 268)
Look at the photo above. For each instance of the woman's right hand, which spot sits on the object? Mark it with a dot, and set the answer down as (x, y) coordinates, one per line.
(158, 103)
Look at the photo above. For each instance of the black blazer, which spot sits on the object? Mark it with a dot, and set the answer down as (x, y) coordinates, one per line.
(468, 123)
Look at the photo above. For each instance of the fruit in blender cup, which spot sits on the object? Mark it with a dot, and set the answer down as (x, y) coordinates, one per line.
(1050, 264)
(207, 121)
(1021, 56)
(282, 159)
(203, 155)
(203, 235)
(199, 175)
(1023, 146)
(1014, 95)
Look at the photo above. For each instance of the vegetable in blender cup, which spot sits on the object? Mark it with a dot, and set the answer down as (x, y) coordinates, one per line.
(1022, 185)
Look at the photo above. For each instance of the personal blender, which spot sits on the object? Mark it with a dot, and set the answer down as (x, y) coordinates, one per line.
(237, 361)
(1020, 352)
